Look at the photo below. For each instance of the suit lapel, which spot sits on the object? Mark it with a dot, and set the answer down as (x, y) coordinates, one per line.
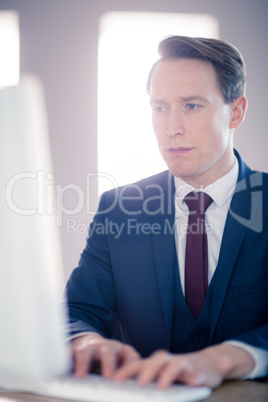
(164, 254)
(233, 236)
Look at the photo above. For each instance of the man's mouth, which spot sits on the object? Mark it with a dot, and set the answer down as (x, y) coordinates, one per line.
(179, 150)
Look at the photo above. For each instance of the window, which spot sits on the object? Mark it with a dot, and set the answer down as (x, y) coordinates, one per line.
(127, 149)
(9, 48)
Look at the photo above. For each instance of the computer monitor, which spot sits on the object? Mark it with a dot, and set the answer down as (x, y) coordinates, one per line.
(31, 273)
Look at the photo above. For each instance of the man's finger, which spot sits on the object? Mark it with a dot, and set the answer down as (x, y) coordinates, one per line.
(108, 359)
(126, 354)
(128, 370)
(176, 370)
(153, 366)
(82, 362)
(145, 370)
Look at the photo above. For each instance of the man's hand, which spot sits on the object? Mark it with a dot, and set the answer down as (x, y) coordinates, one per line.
(93, 348)
(208, 367)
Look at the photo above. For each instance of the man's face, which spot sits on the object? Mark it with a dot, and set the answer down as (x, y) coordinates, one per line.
(191, 120)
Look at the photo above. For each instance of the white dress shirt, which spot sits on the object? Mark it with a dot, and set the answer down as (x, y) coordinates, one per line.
(221, 191)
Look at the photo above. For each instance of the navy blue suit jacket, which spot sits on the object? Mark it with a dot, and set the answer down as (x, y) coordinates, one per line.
(126, 271)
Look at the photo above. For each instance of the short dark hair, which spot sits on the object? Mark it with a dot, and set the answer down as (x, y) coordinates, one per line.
(226, 59)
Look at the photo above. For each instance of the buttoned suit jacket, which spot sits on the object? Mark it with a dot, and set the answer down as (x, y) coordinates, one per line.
(126, 271)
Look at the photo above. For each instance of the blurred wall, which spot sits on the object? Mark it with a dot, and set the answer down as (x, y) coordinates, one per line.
(59, 40)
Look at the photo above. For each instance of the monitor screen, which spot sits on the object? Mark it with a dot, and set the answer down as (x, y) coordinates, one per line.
(31, 274)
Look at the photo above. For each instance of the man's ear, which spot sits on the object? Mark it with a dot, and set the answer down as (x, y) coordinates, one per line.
(238, 111)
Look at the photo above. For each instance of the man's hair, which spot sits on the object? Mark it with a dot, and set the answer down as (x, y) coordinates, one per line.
(227, 61)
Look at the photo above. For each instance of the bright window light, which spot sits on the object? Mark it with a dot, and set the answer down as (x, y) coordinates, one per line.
(9, 48)
(127, 149)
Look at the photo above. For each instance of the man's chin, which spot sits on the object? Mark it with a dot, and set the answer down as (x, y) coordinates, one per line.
(181, 172)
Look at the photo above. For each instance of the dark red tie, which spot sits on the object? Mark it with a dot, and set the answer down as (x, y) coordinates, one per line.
(196, 257)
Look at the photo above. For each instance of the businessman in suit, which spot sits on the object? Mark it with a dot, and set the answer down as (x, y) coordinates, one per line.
(184, 316)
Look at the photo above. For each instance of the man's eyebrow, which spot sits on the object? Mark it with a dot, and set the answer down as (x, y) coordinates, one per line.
(191, 98)
(195, 98)
(161, 101)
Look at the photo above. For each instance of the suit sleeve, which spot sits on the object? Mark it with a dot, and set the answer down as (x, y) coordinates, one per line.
(90, 290)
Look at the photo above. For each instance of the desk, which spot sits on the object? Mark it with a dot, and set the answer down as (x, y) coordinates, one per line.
(233, 391)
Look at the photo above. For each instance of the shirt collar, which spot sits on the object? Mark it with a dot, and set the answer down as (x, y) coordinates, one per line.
(219, 191)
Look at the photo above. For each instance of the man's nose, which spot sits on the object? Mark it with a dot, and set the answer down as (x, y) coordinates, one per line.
(174, 124)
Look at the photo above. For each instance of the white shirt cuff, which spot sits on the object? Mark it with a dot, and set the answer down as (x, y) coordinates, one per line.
(260, 357)
(70, 338)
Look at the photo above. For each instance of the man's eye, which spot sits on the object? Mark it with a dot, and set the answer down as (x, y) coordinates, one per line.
(160, 109)
(192, 106)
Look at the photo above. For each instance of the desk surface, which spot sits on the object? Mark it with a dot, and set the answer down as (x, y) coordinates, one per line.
(245, 391)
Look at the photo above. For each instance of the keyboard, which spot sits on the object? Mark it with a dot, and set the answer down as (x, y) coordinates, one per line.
(98, 389)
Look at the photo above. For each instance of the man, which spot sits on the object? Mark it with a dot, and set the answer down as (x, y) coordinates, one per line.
(137, 266)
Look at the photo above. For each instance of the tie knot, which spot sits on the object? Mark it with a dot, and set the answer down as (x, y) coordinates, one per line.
(198, 201)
